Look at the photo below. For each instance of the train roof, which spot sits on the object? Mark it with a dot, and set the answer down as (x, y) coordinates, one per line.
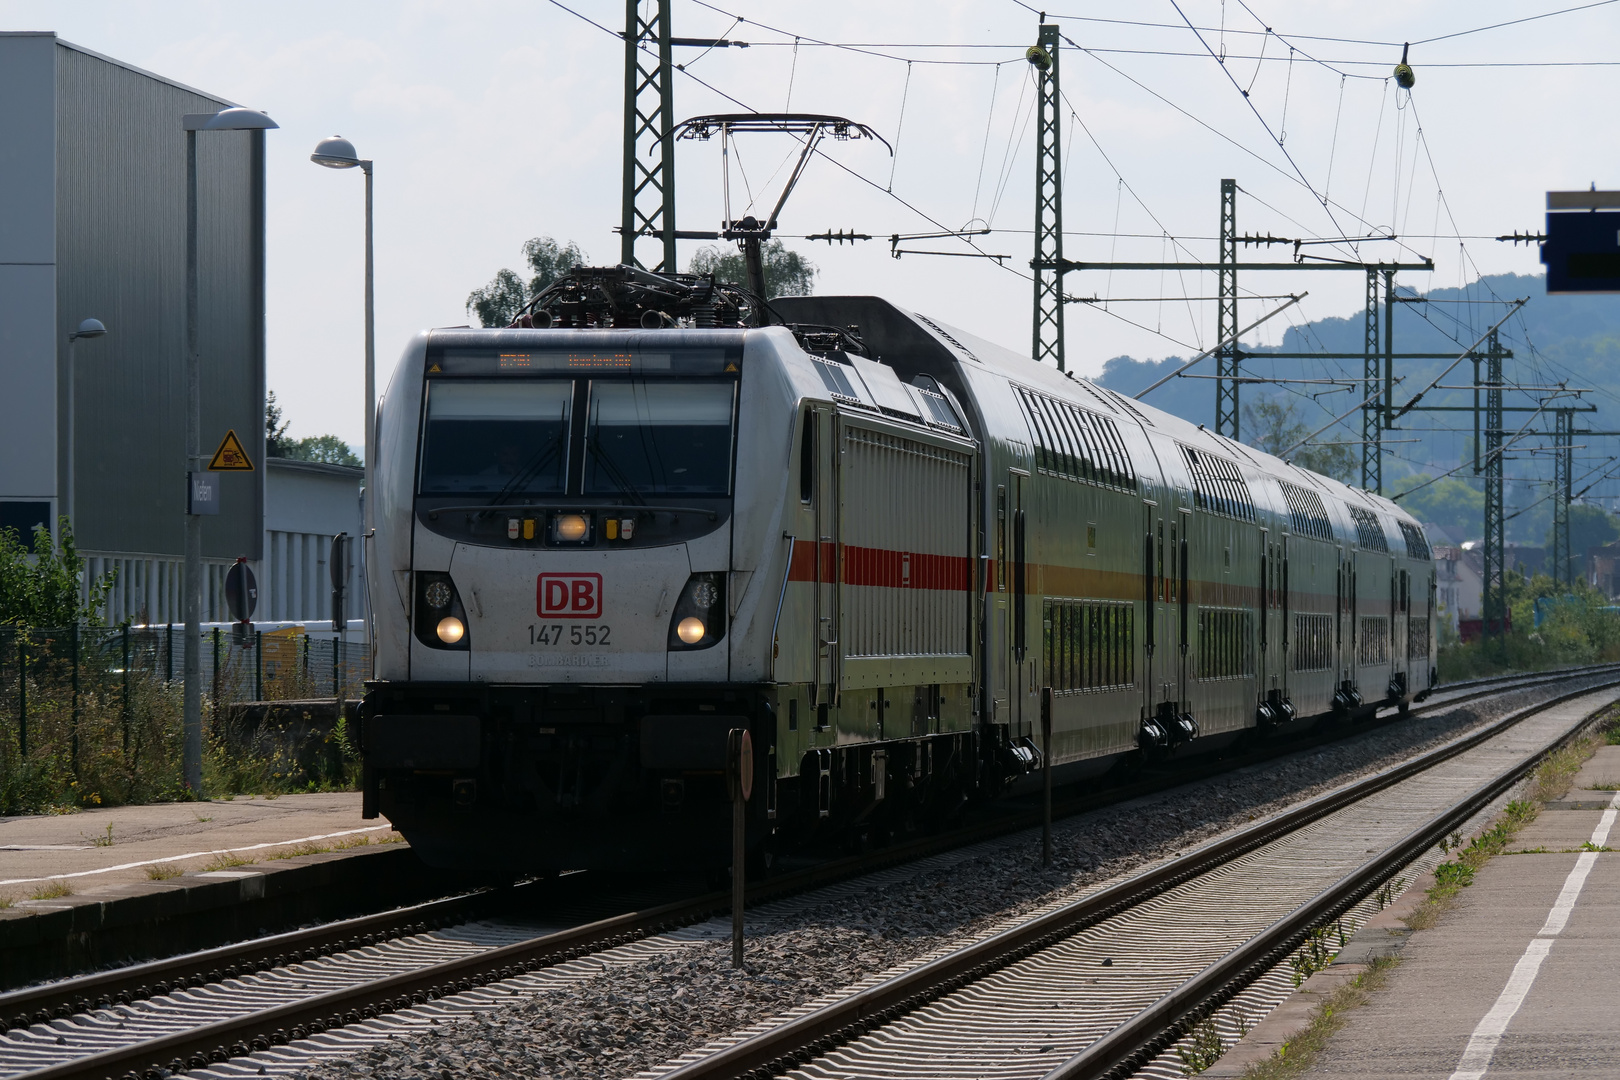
(914, 343)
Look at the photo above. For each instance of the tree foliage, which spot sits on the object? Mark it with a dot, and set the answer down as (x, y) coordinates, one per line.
(1453, 503)
(787, 273)
(1274, 425)
(328, 449)
(275, 428)
(499, 302)
(277, 443)
(1589, 526)
(40, 587)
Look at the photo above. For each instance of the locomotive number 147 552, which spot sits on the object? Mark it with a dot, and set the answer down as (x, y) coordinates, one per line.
(558, 634)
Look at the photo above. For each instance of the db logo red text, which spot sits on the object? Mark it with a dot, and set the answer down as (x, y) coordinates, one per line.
(569, 596)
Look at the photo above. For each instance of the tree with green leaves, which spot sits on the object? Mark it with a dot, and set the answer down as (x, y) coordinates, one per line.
(40, 587)
(1274, 425)
(325, 448)
(328, 449)
(275, 428)
(787, 273)
(499, 302)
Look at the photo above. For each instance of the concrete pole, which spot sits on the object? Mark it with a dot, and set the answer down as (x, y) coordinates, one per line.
(191, 753)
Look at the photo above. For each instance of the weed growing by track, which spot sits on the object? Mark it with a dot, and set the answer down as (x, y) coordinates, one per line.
(1298, 1054)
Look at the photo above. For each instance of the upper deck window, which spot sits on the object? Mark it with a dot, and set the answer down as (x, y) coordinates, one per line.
(508, 438)
(647, 437)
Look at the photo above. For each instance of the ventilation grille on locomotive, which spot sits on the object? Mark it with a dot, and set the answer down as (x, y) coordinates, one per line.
(1089, 645)
(1077, 444)
(1307, 511)
(1369, 530)
(1218, 487)
(1417, 545)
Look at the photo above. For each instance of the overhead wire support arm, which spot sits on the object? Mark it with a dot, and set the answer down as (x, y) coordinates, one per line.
(1207, 353)
(1464, 355)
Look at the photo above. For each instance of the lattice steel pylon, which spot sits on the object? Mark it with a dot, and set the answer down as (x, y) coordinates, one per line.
(1048, 262)
(1227, 357)
(1372, 411)
(648, 217)
(1495, 561)
(1563, 466)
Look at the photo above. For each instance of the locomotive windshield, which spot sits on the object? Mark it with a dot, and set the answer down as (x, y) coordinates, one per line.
(505, 437)
(659, 438)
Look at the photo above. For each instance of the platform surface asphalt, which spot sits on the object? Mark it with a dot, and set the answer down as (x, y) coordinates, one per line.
(1519, 979)
(186, 836)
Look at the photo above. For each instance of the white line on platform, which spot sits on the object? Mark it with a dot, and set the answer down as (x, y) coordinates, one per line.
(194, 855)
(1476, 1059)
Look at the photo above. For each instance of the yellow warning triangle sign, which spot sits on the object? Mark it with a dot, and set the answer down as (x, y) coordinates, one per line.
(230, 457)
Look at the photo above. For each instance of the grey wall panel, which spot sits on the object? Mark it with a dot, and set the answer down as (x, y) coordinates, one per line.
(120, 236)
(27, 136)
(28, 379)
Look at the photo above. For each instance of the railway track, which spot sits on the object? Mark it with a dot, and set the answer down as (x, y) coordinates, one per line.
(208, 1008)
(1104, 984)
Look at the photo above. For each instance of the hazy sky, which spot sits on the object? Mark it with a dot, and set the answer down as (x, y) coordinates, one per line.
(492, 122)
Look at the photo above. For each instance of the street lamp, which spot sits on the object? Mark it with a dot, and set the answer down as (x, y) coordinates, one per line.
(338, 153)
(89, 328)
(233, 119)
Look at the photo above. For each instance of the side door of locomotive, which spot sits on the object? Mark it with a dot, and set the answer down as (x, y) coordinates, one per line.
(829, 556)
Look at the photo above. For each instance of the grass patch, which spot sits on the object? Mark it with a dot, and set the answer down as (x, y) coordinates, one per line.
(1298, 1054)
(321, 849)
(6, 901)
(162, 871)
(225, 860)
(52, 890)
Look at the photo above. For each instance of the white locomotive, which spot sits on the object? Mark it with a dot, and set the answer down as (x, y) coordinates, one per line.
(869, 538)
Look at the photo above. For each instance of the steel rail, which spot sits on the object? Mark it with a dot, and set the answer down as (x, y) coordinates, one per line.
(1133, 1044)
(804, 1038)
(272, 1027)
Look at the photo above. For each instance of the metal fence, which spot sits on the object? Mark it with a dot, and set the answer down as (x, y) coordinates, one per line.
(50, 675)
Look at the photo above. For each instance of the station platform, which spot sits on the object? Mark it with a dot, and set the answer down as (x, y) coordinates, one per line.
(114, 846)
(1519, 978)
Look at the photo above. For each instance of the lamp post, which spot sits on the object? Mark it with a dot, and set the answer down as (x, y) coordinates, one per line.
(233, 119)
(339, 153)
(89, 328)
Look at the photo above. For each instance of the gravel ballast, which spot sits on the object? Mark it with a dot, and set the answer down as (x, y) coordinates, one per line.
(637, 1017)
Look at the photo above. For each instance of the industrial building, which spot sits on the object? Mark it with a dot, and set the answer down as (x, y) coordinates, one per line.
(92, 225)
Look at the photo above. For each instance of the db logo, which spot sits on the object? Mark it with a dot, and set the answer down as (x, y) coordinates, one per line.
(569, 596)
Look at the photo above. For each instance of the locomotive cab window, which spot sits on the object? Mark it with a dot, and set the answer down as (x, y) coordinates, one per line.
(659, 438)
(807, 459)
(497, 437)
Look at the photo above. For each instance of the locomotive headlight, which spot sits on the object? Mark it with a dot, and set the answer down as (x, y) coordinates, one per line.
(571, 528)
(438, 620)
(699, 618)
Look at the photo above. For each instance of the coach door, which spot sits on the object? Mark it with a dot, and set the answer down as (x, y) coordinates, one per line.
(1398, 610)
(1154, 682)
(1020, 714)
(829, 558)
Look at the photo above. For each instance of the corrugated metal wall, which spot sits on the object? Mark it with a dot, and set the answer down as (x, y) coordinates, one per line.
(120, 233)
(907, 560)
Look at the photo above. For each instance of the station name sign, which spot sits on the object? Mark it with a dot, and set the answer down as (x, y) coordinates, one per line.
(1582, 249)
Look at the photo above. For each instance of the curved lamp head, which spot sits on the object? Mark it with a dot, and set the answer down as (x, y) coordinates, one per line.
(335, 152)
(88, 328)
(232, 119)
